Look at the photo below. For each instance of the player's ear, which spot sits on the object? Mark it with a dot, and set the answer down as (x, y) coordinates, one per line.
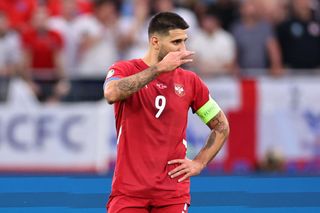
(155, 42)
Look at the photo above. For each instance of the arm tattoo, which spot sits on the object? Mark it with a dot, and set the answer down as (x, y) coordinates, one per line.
(210, 140)
(219, 125)
(132, 84)
(219, 134)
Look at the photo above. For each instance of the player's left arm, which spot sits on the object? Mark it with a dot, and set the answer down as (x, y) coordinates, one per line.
(219, 133)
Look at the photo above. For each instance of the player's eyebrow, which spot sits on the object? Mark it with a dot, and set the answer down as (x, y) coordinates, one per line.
(179, 40)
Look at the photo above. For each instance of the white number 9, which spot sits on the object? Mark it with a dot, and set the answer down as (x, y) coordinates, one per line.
(160, 103)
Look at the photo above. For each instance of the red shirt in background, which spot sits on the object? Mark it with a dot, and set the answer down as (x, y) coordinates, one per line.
(54, 6)
(19, 12)
(42, 47)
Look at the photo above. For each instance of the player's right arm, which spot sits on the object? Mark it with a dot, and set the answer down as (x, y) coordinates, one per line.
(120, 89)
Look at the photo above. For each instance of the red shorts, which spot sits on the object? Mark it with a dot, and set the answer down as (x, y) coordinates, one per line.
(126, 204)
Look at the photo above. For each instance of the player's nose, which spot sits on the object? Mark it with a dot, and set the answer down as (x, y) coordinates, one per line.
(183, 46)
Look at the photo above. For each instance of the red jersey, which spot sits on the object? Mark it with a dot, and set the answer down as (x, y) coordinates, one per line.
(151, 128)
(42, 47)
(82, 6)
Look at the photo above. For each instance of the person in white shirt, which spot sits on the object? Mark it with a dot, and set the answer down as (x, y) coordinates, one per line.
(133, 30)
(65, 24)
(97, 39)
(10, 48)
(214, 46)
(10, 54)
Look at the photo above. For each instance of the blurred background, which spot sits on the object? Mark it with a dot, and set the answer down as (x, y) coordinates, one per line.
(259, 58)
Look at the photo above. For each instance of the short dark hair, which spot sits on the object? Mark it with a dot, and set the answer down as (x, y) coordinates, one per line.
(164, 21)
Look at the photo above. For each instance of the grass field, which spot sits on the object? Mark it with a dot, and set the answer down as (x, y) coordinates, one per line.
(66, 194)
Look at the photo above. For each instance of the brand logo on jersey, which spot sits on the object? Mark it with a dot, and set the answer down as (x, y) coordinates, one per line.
(161, 86)
(110, 73)
(179, 90)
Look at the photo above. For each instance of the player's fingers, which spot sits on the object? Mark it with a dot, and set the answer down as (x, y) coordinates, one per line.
(187, 53)
(182, 166)
(176, 161)
(177, 54)
(183, 61)
(187, 175)
(178, 173)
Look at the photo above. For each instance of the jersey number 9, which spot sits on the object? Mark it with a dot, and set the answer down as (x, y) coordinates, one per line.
(160, 104)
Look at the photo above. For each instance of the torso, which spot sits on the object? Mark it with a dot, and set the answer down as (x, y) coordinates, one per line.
(151, 126)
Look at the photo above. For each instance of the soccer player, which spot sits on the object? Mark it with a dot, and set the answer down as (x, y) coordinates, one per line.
(151, 97)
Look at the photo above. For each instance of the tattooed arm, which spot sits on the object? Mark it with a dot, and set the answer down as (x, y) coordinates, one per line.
(118, 90)
(219, 133)
(121, 89)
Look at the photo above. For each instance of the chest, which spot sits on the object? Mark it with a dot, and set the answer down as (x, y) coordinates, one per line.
(164, 98)
(255, 36)
(43, 42)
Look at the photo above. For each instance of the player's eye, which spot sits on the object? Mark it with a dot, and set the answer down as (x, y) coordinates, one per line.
(176, 42)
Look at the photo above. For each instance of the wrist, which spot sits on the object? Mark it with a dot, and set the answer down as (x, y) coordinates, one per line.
(201, 163)
(157, 69)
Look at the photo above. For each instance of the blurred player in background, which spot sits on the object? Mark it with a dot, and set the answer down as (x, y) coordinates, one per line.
(152, 96)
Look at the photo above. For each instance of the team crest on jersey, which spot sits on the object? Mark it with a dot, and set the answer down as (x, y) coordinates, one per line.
(179, 90)
(110, 73)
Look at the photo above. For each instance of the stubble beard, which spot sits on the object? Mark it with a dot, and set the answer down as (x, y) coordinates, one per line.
(162, 54)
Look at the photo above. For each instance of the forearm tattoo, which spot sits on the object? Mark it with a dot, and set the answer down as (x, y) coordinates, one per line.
(210, 140)
(219, 125)
(219, 133)
(131, 84)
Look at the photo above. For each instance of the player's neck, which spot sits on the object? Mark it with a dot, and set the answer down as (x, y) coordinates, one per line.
(150, 58)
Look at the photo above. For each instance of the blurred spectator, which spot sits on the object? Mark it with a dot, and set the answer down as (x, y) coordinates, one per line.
(133, 30)
(220, 45)
(10, 54)
(65, 24)
(256, 43)
(299, 37)
(43, 69)
(227, 11)
(274, 11)
(10, 49)
(316, 7)
(97, 39)
(19, 12)
(273, 161)
(186, 14)
(56, 7)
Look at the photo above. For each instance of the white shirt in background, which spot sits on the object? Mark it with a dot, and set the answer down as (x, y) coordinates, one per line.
(10, 49)
(216, 50)
(94, 61)
(66, 30)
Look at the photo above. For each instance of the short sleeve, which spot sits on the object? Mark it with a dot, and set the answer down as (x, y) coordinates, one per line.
(116, 71)
(58, 40)
(201, 94)
(203, 104)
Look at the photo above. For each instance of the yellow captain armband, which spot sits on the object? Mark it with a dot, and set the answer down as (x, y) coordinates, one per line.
(208, 110)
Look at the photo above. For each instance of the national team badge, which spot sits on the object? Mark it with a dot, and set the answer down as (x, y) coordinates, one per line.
(179, 90)
(110, 73)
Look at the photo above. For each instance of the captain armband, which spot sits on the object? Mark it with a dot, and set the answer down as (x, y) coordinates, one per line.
(208, 110)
